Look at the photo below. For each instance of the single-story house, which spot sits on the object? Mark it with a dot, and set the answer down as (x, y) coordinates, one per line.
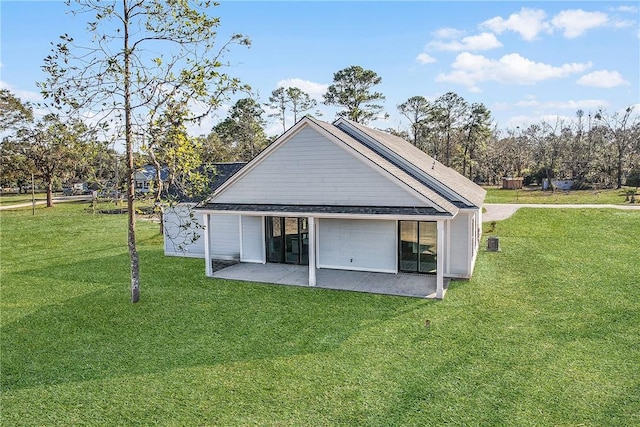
(347, 197)
(146, 176)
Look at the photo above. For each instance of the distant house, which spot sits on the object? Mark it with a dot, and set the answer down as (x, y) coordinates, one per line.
(76, 188)
(181, 228)
(146, 176)
(343, 196)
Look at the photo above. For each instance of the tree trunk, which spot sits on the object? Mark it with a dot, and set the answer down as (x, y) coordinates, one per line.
(464, 161)
(50, 193)
(619, 168)
(131, 240)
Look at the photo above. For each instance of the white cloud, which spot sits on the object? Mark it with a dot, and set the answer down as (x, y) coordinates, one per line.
(448, 33)
(425, 58)
(483, 41)
(628, 9)
(470, 69)
(528, 23)
(572, 105)
(315, 90)
(622, 24)
(576, 22)
(24, 95)
(603, 79)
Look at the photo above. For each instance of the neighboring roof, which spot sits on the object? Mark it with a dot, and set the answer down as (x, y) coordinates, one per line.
(445, 188)
(148, 173)
(224, 171)
(217, 176)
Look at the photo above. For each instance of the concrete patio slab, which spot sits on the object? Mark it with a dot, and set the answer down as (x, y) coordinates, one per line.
(407, 285)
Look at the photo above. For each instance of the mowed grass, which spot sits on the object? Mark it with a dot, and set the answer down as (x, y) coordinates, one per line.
(15, 199)
(536, 195)
(546, 333)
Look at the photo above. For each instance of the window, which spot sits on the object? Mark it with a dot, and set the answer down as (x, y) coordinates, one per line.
(417, 242)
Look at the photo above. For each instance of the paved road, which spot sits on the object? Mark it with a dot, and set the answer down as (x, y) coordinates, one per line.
(494, 211)
(62, 199)
(497, 212)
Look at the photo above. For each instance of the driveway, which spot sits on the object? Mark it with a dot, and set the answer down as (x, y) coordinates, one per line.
(61, 199)
(497, 212)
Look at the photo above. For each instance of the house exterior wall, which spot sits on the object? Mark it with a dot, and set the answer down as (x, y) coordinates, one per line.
(225, 242)
(224, 230)
(311, 169)
(176, 236)
(252, 239)
(463, 238)
(367, 245)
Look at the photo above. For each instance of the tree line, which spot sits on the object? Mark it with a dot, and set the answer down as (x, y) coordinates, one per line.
(593, 149)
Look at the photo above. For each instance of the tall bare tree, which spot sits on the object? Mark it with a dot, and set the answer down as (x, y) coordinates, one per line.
(140, 56)
(416, 109)
(477, 133)
(618, 131)
(293, 99)
(449, 115)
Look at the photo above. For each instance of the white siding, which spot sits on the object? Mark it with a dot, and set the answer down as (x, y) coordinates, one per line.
(459, 241)
(252, 239)
(310, 169)
(368, 245)
(179, 241)
(225, 237)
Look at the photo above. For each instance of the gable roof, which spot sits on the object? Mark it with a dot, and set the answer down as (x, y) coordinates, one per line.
(388, 166)
(444, 188)
(452, 185)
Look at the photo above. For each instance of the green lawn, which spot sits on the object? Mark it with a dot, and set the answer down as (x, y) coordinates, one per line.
(536, 195)
(546, 333)
(14, 199)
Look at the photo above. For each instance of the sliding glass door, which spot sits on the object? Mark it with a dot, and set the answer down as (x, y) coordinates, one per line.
(417, 242)
(287, 240)
(275, 239)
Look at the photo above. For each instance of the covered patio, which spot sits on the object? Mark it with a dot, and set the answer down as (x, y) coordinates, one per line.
(407, 285)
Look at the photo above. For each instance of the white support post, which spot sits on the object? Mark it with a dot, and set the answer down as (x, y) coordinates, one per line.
(440, 261)
(312, 251)
(208, 270)
(240, 247)
(264, 239)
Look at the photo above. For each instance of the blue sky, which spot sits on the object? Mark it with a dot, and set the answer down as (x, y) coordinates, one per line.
(526, 61)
